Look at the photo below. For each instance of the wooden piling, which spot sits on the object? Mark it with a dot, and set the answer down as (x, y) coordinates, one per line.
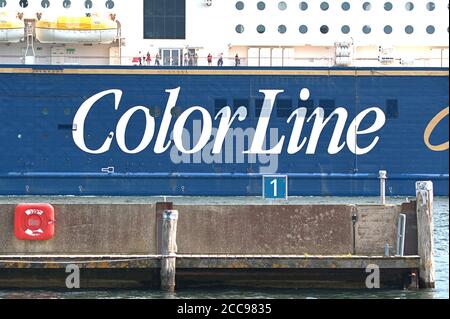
(424, 191)
(169, 250)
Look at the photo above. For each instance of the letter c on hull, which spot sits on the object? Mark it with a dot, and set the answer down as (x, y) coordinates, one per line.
(430, 128)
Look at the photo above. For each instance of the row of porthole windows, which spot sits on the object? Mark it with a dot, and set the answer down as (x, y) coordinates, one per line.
(109, 4)
(324, 29)
(324, 6)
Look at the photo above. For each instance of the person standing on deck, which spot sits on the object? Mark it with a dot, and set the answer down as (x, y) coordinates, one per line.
(157, 58)
(195, 59)
(220, 60)
(148, 59)
(237, 60)
(209, 59)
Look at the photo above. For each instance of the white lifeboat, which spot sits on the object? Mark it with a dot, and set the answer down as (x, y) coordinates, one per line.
(12, 28)
(88, 29)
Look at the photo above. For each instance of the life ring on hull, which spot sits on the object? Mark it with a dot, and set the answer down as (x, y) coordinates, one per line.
(34, 222)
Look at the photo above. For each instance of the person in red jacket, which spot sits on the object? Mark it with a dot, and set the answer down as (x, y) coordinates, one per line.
(209, 59)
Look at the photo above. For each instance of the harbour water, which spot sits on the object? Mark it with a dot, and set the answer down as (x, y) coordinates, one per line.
(441, 247)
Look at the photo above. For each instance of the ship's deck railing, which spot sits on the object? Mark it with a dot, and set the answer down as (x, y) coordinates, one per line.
(227, 61)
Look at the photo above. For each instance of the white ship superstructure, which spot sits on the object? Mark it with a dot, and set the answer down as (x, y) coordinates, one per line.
(258, 32)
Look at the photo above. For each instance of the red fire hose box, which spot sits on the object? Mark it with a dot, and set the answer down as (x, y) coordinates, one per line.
(34, 222)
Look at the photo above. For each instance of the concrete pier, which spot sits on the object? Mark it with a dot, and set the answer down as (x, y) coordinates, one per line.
(295, 246)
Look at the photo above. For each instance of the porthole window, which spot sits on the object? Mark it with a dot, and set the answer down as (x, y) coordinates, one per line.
(324, 29)
(367, 29)
(303, 29)
(431, 6)
(388, 6)
(23, 3)
(45, 4)
(261, 29)
(109, 4)
(409, 6)
(324, 6)
(345, 6)
(3, 3)
(67, 4)
(345, 29)
(303, 6)
(240, 5)
(282, 5)
(282, 29)
(240, 28)
(261, 5)
(409, 29)
(430, 29)
(388, 29)
(88, 4)
(367, 6)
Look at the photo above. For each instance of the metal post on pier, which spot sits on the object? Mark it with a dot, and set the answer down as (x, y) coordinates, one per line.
(424, 193)
(383, 177)
(169, 250)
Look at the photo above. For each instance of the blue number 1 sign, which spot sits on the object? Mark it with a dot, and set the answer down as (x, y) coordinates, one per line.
(275, 187)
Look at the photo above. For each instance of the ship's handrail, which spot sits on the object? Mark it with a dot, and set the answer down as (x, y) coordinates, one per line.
(101, 60)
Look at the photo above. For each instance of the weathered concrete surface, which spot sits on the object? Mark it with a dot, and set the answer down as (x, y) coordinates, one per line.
(265, 230)
(376, 227)
(88, 229)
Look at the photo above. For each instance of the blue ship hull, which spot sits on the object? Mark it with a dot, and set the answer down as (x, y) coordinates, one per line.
(39, 154)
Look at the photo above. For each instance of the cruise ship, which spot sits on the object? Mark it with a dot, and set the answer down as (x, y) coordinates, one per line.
(206, 97)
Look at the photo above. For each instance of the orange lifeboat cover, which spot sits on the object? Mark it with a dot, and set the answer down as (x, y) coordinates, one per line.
(34, 222)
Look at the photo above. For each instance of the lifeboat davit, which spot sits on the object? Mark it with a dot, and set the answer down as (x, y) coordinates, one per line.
(12, 29)
(92, 29)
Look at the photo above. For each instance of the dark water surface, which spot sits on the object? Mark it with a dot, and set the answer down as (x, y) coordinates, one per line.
(441, 227)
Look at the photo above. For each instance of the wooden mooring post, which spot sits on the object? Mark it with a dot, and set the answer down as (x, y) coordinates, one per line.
(169, 250)
(424, 193)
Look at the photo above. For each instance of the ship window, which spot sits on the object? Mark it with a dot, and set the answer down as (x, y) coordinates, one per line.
(367, 6)
(431, 6)
(164, 19)
(303, 6)
(328, 105)
(284, 108)
(392, 109)
(88, 4)
(345, 29)
(258, 107)
(109, 4)
(282, 5)
(308, 104)
(67, 4)
(324, 6)
(345, 6)
(3, 3)
(239, 28)
(261, 5)
(324, 29)
(303, 29)
(45, 4)
(430, 29)
(367, 29)
(219, 104)
(240, 5)
(409, 6)
(237, 103)
(388, 29)
(409, 29)
(261, 28)
(388, 6)
(282, 29)
(23, 3)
